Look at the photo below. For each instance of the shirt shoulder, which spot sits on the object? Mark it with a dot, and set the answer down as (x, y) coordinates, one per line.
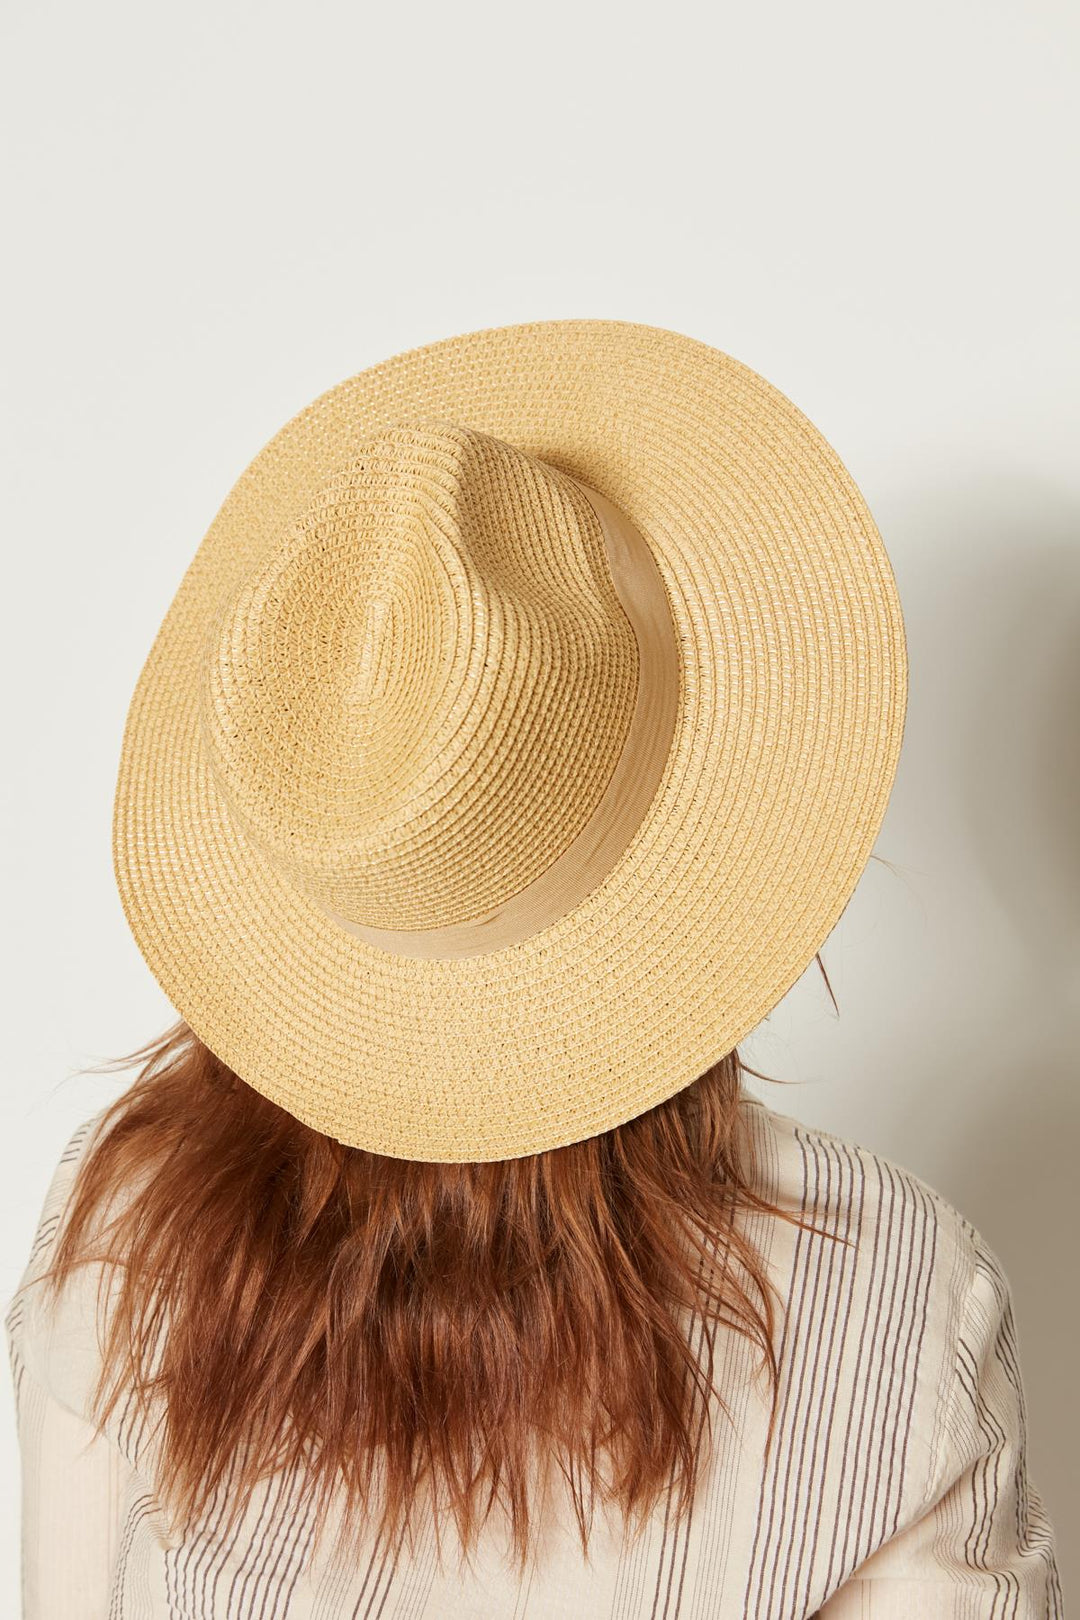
(848, 1186)
(55, 1340)
(903, 1381)
(876, 1287)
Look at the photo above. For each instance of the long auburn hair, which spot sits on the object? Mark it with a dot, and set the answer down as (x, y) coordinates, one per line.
(396, 1328)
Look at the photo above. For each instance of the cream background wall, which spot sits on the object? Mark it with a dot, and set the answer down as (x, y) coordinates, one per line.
(213, 212)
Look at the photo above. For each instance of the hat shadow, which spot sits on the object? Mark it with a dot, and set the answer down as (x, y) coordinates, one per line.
(997, 597)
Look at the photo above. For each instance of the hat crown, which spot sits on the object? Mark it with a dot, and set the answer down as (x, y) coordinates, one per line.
(416, 702)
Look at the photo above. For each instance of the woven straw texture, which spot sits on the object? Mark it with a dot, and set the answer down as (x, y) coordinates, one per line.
(396, 681)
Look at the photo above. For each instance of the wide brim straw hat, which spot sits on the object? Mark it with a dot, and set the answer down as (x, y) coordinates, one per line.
(514, 741)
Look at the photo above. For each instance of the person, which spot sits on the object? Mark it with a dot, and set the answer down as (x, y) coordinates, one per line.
(514, 741)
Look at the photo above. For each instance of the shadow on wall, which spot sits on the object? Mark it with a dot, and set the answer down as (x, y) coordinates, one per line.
(1021, 776)
(995, 596)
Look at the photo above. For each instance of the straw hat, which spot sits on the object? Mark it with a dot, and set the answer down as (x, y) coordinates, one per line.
(514, 740)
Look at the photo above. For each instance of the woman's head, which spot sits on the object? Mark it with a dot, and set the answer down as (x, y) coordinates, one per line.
(407, 1330)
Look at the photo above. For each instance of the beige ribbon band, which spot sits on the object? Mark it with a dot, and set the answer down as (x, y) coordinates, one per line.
(633, 784)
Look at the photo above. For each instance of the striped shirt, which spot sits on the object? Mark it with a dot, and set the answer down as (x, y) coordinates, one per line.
(895, 1487)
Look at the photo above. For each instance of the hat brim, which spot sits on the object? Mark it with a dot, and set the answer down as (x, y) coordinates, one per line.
(791, 715)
